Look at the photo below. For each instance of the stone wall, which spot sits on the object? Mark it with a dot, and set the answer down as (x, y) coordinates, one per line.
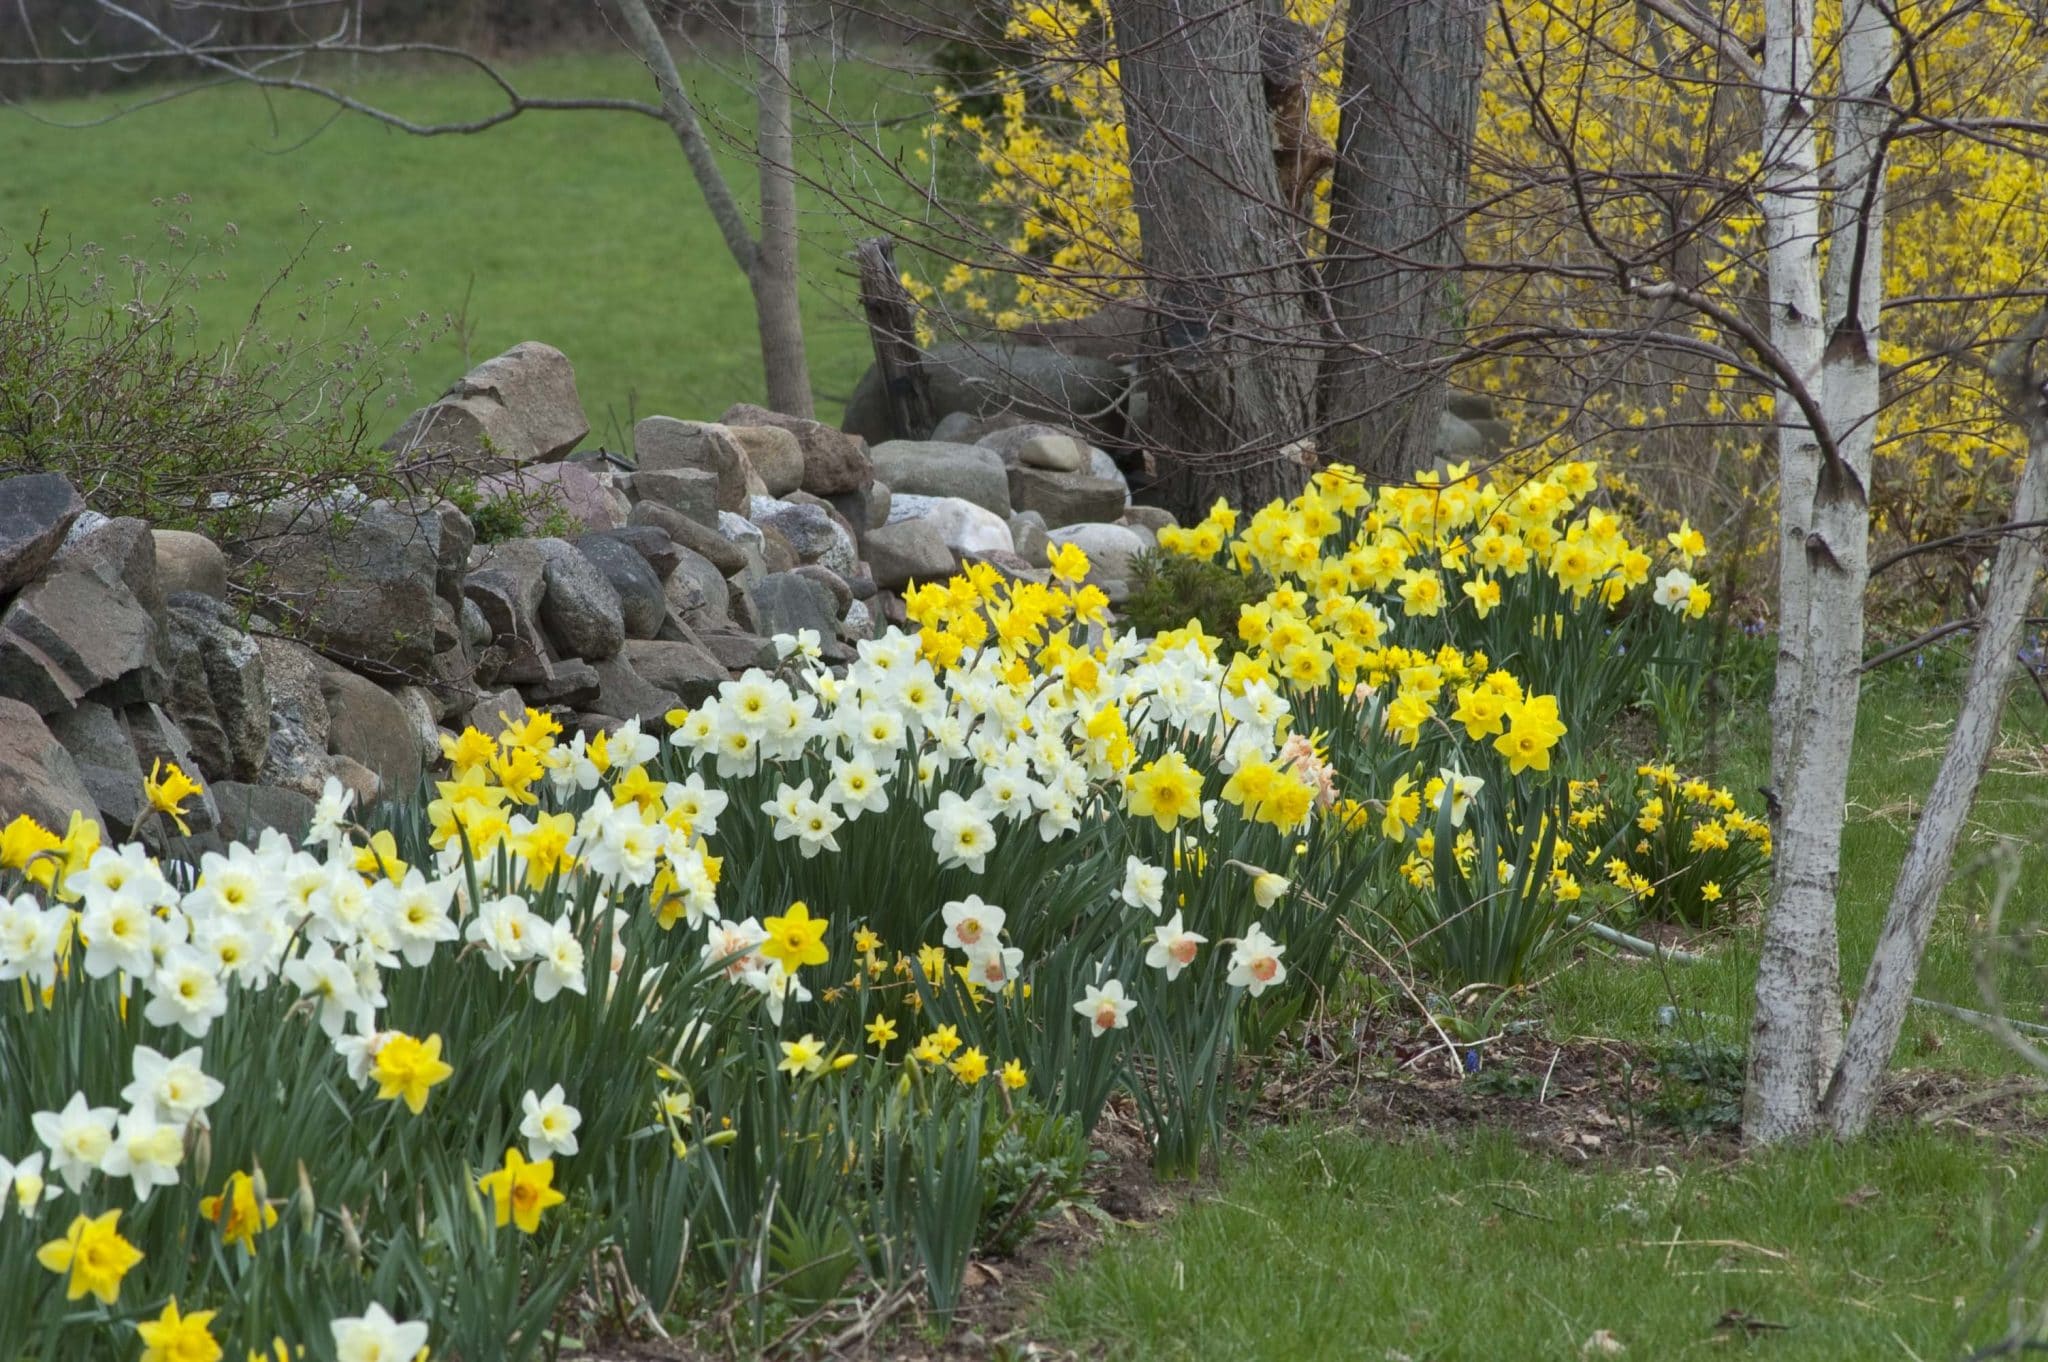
(343, 639)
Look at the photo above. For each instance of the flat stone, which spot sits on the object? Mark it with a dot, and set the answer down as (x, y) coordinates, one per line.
(37, 776)
(737, 650)
(1054, 453)
(687, 669)
(929, 468)
(120, 552)
(777, 458)
(1066, 498)
(515, 408)
(653, 545)
(641, 602)
(186, 561)
(691, 491)
(661, 443)
(99, 743)
(360, 587)
(965, 527)
(70, 634)
(625, 694)
(908, 551)
(571, 682)
(834, 461)
(36, 511)
(579, 612)
(704, 540)
(247, 811)
(786, 603)
(366, 723)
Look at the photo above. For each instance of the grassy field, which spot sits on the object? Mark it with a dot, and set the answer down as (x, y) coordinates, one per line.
(1332, 1240)
(581, 229)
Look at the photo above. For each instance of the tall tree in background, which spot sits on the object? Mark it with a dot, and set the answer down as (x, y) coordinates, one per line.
(1409, 98)
(267, 44)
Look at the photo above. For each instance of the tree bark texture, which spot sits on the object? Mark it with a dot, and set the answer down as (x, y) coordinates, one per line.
(1796, 1035)
(1409, 99)
(1229, 367)
(773, 275)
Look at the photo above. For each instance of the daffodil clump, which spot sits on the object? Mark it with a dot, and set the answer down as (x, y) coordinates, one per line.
(1676, 847)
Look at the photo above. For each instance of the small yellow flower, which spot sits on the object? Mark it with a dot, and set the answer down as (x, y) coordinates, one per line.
(172, 1337)
(804, 1056)
(1014, 1076)
(881, 1031)
(406, 1068)
(167, 788)
(520, 1191)
(239, 1211)
(971, 1067)
(92, 1257)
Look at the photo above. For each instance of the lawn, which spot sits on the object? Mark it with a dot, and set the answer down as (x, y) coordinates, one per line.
(581, 229)
(1335, 1238)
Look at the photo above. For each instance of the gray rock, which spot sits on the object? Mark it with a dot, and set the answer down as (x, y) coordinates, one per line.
(36, 512)
(692, 491)
(365, 723)
(704, 540)
(188, 698)
(661, 443)
(641, 602)
(476, 630)
(1012, 566)
(776, 456)
(999, 377)
(956, 427)
(572, 682)
(1471, 406)
(580, 612)
(120, 552)
(785, 603)
(421, 722)
(842, 594)
(878, 504)
(495, 711)
(237, 698)
(1153, 518)
(507, 583)
(37, 776)
(1055, 453)
(737, 650)
(965, 527)
(72, 633)
(549, 493)
(361, 588)
(157, 739)
(1027, 532)
(777, 553)
(1457, 438)
(697, 591)
(1110, 549)
(515, 408)
(908, 551)
(1100, 465)
(190, 562)
(458, 537)
(653, 545)
(246, 811)
(814, 534)
(834, 461)
(296, 757)
(928, 468)
(1066, 498)
(685, 668)
(99, 743)
(624, 693)
(858, 624)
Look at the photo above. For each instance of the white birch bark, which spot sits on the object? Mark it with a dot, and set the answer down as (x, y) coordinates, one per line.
(1895, 965)
(1796, 1029)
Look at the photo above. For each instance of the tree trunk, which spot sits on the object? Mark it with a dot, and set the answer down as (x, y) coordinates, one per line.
(773, 275)
(1409, 98)
(1888, 986)
(1230, 365)
(1796, 1034)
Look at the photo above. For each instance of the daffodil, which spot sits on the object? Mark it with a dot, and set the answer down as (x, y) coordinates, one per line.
(520, 1191)
(168, 789)
(406, 1068)
(92, 1257)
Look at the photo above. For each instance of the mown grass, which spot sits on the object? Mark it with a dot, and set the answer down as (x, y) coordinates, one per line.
(581, 229)
(1328, 1243)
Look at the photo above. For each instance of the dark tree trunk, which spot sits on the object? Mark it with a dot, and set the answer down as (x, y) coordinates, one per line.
(1410, 96)
(1230, 364)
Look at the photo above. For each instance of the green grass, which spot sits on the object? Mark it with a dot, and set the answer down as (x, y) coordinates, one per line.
(1339, 1248)
(1327, 1243)
(581, 229)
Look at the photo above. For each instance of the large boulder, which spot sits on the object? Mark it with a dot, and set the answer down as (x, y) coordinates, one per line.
(506, 584)
(661, 443)
(814, 534)
(516, 408)
(579, 611)
(548, 493)
(1002, 377)
(120, 552)
(98, 742)
(236, 701)
(186, 561)
(965, 527)
(641, 603)
(1458, 439)
(37, 776)
(246, 811)
(73, 633)
(786, 602)
(930, 468)
(834, 461)
(1066, 498)
(908, 551)
(361, 587)
(692, 491)
(296, 758)
(777, 458)
(36, 512)
(367, 724)
(681, 666)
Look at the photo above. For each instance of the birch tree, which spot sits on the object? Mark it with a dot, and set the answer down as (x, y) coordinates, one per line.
(222, 54)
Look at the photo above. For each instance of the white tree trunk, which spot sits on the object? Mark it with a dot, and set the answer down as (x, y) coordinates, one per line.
(1888, 987)
(1797, 1028)
(773, 275)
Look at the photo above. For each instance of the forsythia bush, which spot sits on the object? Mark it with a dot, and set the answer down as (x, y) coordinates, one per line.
(817, 992)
